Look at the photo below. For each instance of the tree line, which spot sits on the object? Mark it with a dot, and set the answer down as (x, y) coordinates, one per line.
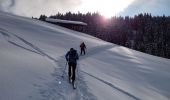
(143, 32)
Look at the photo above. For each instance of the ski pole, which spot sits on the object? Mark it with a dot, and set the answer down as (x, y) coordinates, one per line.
(77, 72)
(64, 70)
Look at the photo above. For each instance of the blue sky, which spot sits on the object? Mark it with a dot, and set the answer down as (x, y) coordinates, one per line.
(155, 7)
(105, 7)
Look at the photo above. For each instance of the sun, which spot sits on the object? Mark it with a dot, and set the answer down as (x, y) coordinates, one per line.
(107, 8)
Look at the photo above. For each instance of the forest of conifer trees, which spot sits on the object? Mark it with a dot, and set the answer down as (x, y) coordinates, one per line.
(143, 32)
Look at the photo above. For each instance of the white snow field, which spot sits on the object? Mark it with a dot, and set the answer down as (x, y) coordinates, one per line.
(32, 62)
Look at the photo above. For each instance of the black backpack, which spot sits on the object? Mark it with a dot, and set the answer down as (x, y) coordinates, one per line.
(73, 56)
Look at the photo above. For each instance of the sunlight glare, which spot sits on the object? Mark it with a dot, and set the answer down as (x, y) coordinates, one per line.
(107, 8)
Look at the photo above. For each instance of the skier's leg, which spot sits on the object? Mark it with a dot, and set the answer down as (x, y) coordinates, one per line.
(74, 72)
(69, 71)
(84, 51)
(81, 51)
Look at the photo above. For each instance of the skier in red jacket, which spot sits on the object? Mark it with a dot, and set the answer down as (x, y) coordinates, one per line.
(82, 48)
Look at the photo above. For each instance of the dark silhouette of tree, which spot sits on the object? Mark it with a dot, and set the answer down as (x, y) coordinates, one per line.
(42, 17)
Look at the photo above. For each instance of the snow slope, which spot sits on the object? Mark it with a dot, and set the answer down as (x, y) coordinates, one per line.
(32, 63)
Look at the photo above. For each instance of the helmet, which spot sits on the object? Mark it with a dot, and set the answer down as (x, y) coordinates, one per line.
(71, 49)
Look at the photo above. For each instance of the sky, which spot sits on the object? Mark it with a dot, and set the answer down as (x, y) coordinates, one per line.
(107, 8)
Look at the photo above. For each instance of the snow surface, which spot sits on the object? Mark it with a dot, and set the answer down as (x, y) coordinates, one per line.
(32, 63)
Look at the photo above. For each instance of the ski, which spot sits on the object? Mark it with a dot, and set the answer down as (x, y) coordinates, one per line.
(74, 85)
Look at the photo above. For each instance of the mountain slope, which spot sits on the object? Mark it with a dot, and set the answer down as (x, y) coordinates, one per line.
(32, 63)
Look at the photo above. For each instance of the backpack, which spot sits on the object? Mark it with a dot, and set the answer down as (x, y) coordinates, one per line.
(73, 56)
(82, 45)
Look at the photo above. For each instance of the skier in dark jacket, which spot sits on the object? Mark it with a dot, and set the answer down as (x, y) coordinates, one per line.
(72, 58)
(82, 48)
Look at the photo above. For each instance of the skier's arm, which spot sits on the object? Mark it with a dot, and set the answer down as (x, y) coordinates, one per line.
(66, 56)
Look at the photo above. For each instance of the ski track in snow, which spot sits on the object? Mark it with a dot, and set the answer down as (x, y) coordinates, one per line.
(113, 86)
(98, 49)
(64, 90)
(55, 90)
(37, 50)
(8, 38)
